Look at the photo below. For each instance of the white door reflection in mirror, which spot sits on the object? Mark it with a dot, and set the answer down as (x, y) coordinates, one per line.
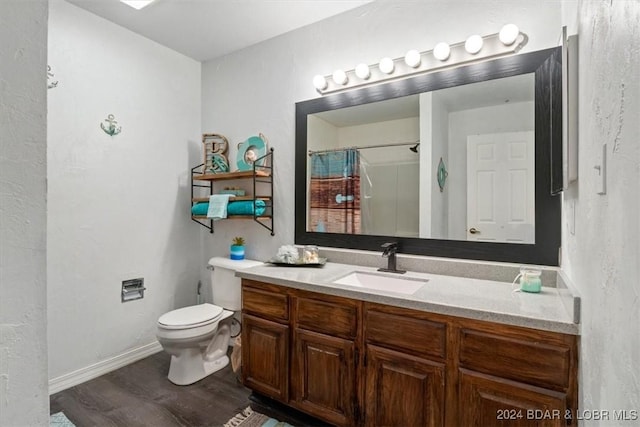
(500, 194)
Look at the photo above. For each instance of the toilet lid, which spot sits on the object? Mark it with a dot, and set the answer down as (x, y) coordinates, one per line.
(194, 315)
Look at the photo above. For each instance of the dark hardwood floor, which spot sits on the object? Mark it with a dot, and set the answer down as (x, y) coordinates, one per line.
(141, 395)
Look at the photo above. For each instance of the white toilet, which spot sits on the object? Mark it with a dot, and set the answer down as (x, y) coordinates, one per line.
(197, 337)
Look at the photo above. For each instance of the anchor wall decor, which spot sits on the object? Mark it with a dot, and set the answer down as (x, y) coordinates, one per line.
(112, 129)
(50, 85)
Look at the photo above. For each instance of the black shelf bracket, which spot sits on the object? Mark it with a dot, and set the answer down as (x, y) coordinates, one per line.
(195, 172)
(264, 164)
(262, 174)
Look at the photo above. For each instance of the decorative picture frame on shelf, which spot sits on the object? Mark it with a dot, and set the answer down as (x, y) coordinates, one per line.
(251, 151)
(215, 148)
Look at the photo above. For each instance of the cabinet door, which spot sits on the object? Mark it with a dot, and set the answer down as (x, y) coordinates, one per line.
(323, 377)
(486, 401)
(265, 357)
(403, 390)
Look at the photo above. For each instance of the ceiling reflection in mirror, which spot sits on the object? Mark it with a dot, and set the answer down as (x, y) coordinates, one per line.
(373, 169)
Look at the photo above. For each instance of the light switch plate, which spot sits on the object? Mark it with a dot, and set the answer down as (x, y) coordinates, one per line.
(601, 172)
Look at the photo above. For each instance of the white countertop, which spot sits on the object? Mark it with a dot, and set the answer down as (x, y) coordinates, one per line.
(456, 296)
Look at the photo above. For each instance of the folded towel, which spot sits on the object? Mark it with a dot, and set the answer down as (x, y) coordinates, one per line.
(218, 206)
(199, 209)
(246, 207)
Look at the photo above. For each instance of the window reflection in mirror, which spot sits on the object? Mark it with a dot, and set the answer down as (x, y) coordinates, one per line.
(484, 134)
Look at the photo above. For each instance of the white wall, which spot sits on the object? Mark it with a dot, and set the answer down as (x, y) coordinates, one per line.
(434, 142)
(601, 247)
(118, 206)
(439, 150)
(255, 90)
(390, 202)
(24, 397)
(386, 132)
(322, 135)
(426, 161)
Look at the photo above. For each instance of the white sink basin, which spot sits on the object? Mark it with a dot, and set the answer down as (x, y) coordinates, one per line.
(381, 282)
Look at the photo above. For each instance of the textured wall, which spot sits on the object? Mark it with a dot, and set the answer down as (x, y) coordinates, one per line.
(117, 205)
(24, 398)
(602, 255)
(255, 90)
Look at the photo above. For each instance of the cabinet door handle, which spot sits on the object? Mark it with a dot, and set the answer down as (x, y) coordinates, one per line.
(474, 230)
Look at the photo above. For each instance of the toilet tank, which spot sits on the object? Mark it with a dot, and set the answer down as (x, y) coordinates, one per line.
(225, 286)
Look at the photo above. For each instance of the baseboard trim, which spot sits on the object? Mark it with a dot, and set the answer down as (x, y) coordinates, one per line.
(71, 379)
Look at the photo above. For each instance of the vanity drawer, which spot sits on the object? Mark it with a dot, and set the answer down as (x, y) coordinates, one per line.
(405, 330)
(521, 355)
(265, 301)
(328, 315)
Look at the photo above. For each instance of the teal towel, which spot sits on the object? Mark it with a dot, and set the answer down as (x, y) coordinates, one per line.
(199, 209)
(245, 207)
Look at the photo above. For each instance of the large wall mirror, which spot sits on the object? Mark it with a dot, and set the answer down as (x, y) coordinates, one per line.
(461, 163)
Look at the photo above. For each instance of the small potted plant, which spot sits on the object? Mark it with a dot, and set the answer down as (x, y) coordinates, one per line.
(237, 248)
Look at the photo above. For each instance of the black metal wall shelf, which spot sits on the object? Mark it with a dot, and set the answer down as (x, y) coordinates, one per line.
(261, 178)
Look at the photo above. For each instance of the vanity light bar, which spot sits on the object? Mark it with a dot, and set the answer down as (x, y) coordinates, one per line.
(475, 49)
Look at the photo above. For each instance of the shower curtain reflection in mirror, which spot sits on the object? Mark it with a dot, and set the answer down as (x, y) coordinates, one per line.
(334, 192)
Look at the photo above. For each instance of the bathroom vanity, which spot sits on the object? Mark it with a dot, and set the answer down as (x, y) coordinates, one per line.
(455, 352)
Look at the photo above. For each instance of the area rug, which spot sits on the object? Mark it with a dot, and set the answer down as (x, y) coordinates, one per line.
(250, 418)
(59, 419)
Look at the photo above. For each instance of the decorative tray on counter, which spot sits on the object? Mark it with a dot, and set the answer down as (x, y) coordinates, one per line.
(298, 263)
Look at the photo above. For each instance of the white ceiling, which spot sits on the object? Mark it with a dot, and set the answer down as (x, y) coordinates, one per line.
(207, 29)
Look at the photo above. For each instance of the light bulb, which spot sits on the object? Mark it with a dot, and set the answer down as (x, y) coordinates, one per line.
(508, 34)
(340, 77)
(319, 82)
(442, 51)
(412, 58)
(137, 4)
(473, 44)
(362, 71)
(386, 65)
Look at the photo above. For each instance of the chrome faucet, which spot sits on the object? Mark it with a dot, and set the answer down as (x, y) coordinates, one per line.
(389, 250)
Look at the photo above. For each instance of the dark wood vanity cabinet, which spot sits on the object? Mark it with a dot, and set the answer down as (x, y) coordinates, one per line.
(265, 357)
(266, 341)
(403, 390)
(358, 363)
(405, 359)
(515, 376)
(325, 357)
(486, 400)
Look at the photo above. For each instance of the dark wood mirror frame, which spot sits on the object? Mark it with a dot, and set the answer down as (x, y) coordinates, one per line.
(547, 66)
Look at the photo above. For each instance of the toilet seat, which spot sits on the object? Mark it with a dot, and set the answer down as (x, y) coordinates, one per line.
(190, 317)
